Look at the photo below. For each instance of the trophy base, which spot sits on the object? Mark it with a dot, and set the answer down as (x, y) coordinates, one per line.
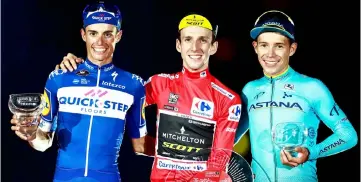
(291, 150)
(28, 130)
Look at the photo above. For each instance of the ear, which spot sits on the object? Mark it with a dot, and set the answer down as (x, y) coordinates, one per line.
(118, 36)
(82, 32)
(178, 45)
(254, 44)
(293, 48)
(214, 48)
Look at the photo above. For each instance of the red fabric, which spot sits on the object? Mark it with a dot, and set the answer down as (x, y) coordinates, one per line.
(199, 97)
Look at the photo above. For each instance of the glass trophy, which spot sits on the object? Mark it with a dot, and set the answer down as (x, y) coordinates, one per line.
(289, 135)
(27, 107)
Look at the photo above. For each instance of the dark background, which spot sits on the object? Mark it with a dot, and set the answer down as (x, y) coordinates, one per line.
(37, 34)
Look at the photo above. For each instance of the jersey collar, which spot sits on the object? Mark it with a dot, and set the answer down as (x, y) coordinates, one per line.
(285, 74)
(195, 75)
(93, 67)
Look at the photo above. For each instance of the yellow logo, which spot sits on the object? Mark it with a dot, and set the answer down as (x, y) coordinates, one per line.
(143, 109)
(181, 147)
(46, 109)
(195, 20)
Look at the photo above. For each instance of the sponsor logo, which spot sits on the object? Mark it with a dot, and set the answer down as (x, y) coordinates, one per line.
(114, 75)
(234, 112)
(178, 137)
(289, 86)
(113, 85)
(83, 73)
(138, 78)
(288, 105)
(55, 73)
(180, 147)
(286, 95)
(93, 102)
(172, 108)
(259, 95)
(47, 106)
(232, 130)
(222, 91)
(202, 108)
(142, 101)
(173, 98)
(101, 17)
(165, 164)
(331, 146)
(311, 132)
(168, 76)
(335, 110)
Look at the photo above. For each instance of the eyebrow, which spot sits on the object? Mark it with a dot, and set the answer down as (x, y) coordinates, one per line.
(277, 43)
(201, 37)
(93, 31)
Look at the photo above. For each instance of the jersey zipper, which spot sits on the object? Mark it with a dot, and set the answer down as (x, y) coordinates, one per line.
(89, 132)
(271, 126)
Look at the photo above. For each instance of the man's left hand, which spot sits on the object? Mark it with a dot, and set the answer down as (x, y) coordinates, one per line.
(302, 157)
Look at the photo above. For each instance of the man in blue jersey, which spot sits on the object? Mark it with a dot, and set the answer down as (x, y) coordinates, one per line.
(277, 106)
(89, 109)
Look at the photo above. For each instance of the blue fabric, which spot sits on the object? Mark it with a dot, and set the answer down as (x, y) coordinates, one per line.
(291, 97)
(89, 108)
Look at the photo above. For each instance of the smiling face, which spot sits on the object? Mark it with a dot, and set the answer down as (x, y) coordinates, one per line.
(100, 41)
(273, 52)
(195, 45)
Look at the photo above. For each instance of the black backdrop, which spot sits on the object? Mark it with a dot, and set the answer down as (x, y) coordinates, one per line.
(37, 34)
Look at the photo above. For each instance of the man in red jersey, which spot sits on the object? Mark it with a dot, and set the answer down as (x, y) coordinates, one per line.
(195, 110)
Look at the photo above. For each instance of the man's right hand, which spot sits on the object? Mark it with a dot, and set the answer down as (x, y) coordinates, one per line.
(69, 62)
(18, 128)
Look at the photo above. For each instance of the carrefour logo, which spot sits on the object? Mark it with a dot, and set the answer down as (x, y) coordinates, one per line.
(202, 108)
(234, 112)
(93, 102)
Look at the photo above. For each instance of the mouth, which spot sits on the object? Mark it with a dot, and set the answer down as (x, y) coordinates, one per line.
(99, 50)
(195, 57)
(270, 63)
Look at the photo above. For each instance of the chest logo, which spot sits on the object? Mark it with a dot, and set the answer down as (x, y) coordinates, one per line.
(202, 108)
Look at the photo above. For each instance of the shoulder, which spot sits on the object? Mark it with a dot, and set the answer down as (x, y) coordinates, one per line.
(253, 85)
(308, 83)
(131, 78)
(53, 75)
(229, 95)
(311, 87)
(162, 78)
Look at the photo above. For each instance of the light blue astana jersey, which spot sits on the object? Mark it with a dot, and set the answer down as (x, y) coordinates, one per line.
(291, 97)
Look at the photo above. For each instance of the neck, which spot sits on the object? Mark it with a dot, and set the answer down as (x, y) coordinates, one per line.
(204, 67)
(100, 62)
(284, 70)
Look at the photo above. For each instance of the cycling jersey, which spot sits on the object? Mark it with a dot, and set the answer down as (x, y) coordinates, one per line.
(92, 105)
(291, 97)
(195, 111)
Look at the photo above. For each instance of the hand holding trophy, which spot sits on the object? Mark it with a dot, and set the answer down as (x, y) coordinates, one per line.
(26, 108)
(289, 135)
(290, 138)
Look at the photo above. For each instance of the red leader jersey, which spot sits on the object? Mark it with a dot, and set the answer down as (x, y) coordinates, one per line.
(195, 111)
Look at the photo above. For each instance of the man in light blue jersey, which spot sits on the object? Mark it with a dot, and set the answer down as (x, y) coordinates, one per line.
(285, 97)
(92, 106)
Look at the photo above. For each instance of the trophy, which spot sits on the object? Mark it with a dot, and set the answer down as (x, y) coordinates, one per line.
(213, 165)
(27, 107)
(289, 135)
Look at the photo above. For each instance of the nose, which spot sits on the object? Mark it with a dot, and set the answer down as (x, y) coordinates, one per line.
(100, 40)
(196, 45)
(271, 52)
